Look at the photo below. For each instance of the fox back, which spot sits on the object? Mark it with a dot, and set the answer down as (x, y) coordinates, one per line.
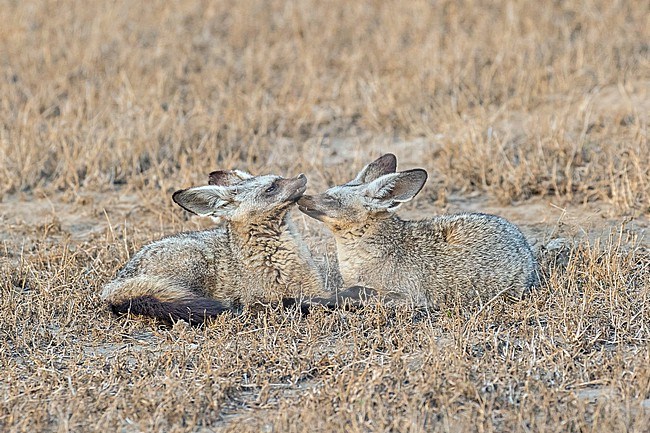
(254, 256)
(465, 257)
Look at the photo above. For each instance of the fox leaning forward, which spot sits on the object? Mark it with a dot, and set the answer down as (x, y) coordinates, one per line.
(470, 257)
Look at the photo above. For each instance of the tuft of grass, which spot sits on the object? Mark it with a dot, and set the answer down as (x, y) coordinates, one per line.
(573, 354)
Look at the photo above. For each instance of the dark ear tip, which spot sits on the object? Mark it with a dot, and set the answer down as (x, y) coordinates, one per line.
(215, 177)
(176, 198)
(177, 194)
(389, 162)
(419, 172)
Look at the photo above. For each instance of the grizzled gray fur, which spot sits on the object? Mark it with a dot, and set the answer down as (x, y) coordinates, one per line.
(469, 257)
(255, 256)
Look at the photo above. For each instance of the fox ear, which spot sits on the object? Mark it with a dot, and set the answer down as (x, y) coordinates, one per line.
(391, 190)
(383, 165)
(210, 200)
(228, 177)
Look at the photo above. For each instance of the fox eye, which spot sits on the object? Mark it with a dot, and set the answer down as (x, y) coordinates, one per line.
(272, 188)
(333, 200)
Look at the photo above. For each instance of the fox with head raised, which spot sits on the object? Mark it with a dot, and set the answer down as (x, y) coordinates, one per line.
(467, 257)
(255, 256)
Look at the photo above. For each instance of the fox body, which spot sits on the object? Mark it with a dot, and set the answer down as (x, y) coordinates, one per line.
(255, 256)
(465, 257)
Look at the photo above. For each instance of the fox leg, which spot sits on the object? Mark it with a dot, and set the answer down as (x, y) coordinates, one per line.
(350, 298)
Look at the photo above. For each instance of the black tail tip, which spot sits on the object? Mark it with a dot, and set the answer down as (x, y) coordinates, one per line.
(194, 311)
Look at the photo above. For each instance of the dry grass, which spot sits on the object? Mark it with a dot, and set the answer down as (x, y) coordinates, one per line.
(574, 357)
(107, 107)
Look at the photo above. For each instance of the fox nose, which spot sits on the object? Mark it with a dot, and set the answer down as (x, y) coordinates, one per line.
(301, 176)
(305, 200)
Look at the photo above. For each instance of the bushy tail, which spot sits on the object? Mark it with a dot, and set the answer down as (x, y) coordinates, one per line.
(160, 298)
(194, 311)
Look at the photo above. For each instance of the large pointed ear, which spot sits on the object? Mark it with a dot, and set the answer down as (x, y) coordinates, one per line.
(383, 165)
(228, 177)
(206, 200)
(390, 190)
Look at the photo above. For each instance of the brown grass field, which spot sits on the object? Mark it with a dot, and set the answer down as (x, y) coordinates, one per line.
(537, 111)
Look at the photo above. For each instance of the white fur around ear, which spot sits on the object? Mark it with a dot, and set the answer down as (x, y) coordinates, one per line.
(383, 165)
(390, 190)
(209, 200)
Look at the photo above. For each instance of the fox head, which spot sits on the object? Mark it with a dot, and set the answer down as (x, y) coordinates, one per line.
(240, 196)
(373, 194)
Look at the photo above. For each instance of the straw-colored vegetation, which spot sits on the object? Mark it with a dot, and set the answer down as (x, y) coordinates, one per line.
(536, 110)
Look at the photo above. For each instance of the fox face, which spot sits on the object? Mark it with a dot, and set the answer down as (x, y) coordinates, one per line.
(373, 194)
(240, 196)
